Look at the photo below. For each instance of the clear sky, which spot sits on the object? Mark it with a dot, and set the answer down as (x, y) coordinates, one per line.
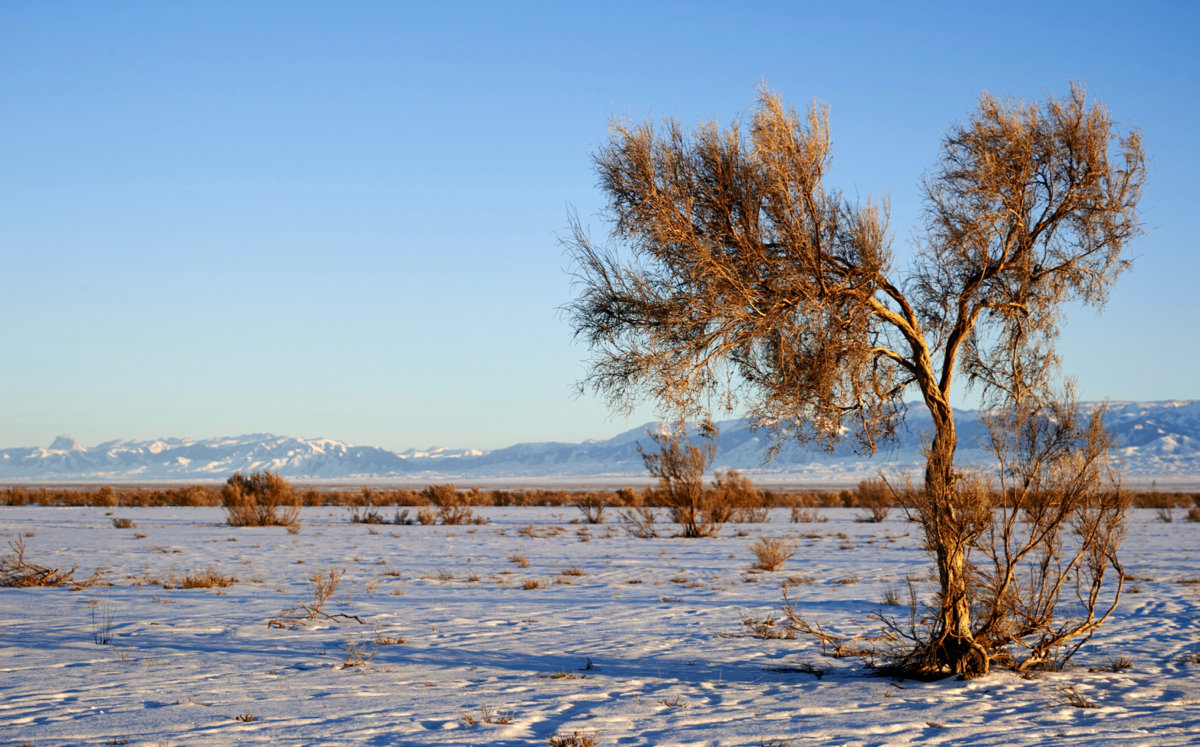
(339, 219)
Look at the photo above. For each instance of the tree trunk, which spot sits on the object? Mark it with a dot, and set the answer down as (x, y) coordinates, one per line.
(947, 528)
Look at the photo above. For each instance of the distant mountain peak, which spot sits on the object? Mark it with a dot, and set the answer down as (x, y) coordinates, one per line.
(66, 443)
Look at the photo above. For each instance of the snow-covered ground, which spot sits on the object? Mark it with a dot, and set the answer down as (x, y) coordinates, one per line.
(634, 641)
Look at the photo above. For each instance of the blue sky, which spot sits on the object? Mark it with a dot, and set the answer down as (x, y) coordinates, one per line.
(340, 219)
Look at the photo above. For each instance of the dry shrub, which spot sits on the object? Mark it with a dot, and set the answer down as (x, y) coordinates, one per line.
(209, 578)
(772, 553)
(679, 467)
(1072, 697)
(124, 523)
(766, 628)
(1043, 543)
(574, 739)
(1158, 499)
(260, 499)
(592, 507)
(192, 495)
(106, 496)
(491, 715)
(1193, 513)
(640, 522)
(383, 639)
(102, 622)
(806, 511)
(109, 496)
(453, 507)
(324, 584)
(875, 498)
(16, 571)
(1050, 574)
(631, 497)
(519, 559)
(373, 515)
(357, 655)
(734, 498)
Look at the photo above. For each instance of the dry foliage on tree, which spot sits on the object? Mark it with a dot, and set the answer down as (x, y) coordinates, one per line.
(747, 283)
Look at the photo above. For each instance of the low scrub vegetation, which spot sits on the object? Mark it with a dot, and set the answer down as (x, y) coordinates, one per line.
(448, 505)
(771, 554)
(368, 503)
(574, 739)
(592, 507)
(679, 466)
(260, 499)
(209, 578)
(323, 585)
(17, 571)
(735, 499)
(875, 498)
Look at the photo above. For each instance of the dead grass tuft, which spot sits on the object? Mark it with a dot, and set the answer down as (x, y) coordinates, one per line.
(519, 559)
(494, 716)
(767, 628)
(1115, 664)
(357, 655)
(574, 739)
(771, 554)
(1072, 697)
(487, 715)
(382, 639)
(209, 578)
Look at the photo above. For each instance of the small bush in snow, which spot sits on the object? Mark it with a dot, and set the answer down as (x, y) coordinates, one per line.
(771, 554)
(260, 499)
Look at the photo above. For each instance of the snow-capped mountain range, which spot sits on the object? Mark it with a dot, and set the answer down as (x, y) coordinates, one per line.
(1157, 441)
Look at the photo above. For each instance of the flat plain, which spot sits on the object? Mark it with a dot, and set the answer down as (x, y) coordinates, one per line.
(534, 627)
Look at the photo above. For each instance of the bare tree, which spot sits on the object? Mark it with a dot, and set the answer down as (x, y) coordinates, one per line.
(750, 285)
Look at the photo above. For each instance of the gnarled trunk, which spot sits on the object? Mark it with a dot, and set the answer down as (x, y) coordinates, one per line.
(948, 521)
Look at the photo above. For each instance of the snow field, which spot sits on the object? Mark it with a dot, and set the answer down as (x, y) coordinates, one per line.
(517, 631)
